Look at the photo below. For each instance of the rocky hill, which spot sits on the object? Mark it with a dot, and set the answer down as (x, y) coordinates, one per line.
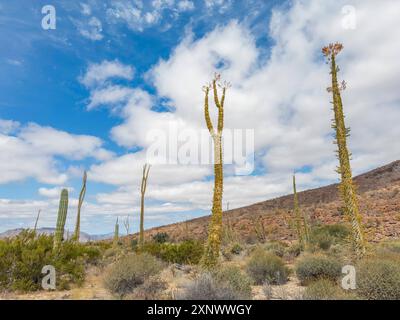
(379, 198)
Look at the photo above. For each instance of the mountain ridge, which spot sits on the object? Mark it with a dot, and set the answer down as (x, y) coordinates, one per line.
(379, 198)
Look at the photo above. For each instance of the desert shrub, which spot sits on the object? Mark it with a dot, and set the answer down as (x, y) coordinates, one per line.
(389, 247)
(276, 247)
(236, 280)
(151, 289)
(324, 289)
(227, 254)
(379, 279)
(111, 252)
(315, 267)
(294, 250)
(23, 257)
(208, 287)
(130, 272)
(161, 237)
(327, 235)
(265, 266)
(236, 248)
(134, 244)
(186, 252)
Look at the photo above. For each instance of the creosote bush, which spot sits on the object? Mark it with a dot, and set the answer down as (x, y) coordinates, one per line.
(314, 267)
(276, 247)
(130, 272)
(379, 279)
(23, 257)
(151, 289)
(186, 252)
(236, 279)
(265, 266)
(225, 284)
(294, 250)
(323, 237)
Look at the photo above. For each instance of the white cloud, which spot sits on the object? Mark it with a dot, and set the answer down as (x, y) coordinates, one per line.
(185, 5)
(91, 29)
(222, 5)
(138, 15)
(127, 170)
(33, 150)
(8, 126)
(49, 141)
(110, 96)
(98, 74)
(86, 9)
(52, 192)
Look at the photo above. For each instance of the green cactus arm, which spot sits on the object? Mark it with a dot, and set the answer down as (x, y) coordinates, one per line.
(61, 218)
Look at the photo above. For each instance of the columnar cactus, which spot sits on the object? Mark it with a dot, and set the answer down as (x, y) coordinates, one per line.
(78, 216)
(213, 244)
(116, 234)
(347, 188)
(143, 187)
(62, 217)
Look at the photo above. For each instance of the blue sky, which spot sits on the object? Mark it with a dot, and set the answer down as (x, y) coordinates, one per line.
(83, 96)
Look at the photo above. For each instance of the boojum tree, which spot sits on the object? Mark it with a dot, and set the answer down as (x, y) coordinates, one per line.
(347, 187)
(37, 220)
(143, 187)
(302, 228)
(211, 253)
(80, 202)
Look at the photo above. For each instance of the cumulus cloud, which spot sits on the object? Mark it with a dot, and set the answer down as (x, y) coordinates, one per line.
(92, 29)
(32, 152)
(97, 74)
(8, 126)
(52, 192)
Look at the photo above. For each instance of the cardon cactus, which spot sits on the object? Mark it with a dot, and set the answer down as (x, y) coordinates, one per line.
(116, 234)
(62, 217)
(78, 216)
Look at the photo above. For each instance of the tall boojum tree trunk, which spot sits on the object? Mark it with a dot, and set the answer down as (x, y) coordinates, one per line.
(143, 187)
(213, 244)
(80, 202)
(347, 188)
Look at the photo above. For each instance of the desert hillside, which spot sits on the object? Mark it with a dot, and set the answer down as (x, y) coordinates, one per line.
(379, 198)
